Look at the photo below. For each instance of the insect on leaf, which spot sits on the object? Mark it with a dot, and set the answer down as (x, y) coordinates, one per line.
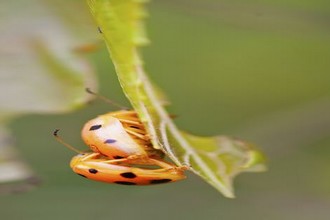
(216, 159)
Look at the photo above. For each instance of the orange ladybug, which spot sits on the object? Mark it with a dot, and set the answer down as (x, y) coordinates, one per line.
(122, 152)
(118, 135)
(124, 171)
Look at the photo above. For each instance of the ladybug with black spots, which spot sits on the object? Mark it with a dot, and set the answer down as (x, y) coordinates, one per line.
(121, 152)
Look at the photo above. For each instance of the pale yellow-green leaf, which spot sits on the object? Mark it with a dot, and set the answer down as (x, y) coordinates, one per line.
(225, 156)
(41, 70)
(216, 159)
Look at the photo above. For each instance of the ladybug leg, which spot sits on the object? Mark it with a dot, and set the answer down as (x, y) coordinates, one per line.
(133, 159)
(91, 156)
(132, 124)
(142, 160)
(129, 117)
(130, 121)
(167, 166)
(138, 135)
(115, 161)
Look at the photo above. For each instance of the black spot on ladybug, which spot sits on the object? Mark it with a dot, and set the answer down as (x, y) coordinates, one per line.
(109, 141)
(118, 157)
(82, 175)
(160, 181)
(124, 183)
(128, 175)
(95, 127)
(93, 171)
(132, 126)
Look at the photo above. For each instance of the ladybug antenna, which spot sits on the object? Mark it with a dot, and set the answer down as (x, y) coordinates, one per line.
(59, 139)
(105, 99)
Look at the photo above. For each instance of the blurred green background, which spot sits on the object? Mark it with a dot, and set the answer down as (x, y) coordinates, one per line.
(258, 70)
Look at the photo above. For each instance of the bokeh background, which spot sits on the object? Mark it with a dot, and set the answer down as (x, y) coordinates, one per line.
(258, 70)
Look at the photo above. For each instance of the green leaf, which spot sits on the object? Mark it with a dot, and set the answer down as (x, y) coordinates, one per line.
(216, 159)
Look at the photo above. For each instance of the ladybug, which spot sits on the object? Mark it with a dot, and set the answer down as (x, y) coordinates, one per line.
(122, 152)
(125, 171)
(118, 135)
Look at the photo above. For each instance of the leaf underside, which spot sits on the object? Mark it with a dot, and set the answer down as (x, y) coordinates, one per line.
(216, 159)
